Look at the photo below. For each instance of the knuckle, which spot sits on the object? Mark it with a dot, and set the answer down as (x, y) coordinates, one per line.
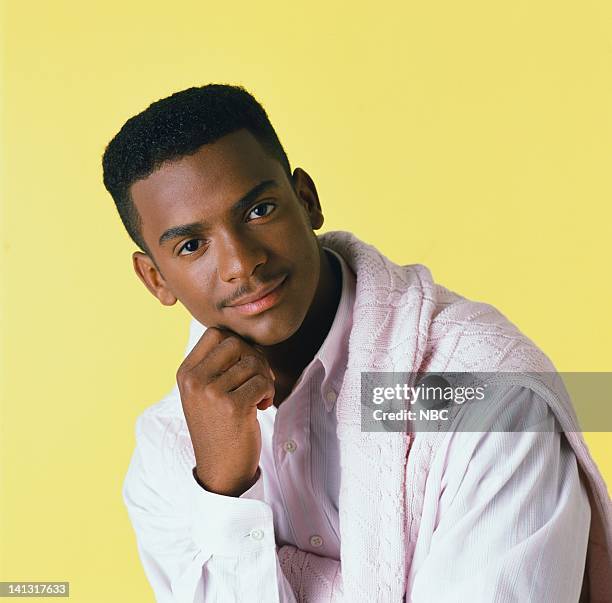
(233, 408)
(232, 343)
(182, 369)
(212, 393)
(250, 362)
(259, 382)
(187, 381)
(214, 333)
(181, 372)
(258, 353)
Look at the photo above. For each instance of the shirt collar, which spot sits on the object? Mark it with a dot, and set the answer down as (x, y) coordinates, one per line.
(334, 350)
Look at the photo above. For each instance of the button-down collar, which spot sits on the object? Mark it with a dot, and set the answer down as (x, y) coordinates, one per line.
(333, 353)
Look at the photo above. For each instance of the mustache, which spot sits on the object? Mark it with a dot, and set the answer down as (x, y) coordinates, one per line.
(243, 291)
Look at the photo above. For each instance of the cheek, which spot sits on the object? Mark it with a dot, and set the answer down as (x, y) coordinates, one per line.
(301, 236)
(196, 290)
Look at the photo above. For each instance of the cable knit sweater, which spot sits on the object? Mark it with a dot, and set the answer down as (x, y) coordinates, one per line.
(404, 322)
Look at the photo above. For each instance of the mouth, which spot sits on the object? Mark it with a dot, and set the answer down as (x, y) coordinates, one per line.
(270, 297)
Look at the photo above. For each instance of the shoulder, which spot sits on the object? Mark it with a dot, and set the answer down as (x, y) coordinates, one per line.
(465, 334)
(518, 439)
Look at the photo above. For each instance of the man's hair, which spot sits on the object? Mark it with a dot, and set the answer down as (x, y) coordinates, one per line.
(174, 127)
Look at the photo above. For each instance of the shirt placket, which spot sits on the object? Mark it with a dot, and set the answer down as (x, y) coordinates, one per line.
(292, 458)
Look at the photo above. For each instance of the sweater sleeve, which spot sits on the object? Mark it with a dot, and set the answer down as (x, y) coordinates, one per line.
(511, 519)
(197, 546)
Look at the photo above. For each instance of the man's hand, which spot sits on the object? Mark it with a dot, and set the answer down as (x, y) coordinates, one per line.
(222, 382)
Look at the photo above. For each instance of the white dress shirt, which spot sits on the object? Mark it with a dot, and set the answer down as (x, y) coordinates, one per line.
(197, 546)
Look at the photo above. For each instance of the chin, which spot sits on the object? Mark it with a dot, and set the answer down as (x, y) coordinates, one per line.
(269, 332)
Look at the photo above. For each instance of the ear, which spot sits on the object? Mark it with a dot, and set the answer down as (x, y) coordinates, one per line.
(306, 192)
(152, 278)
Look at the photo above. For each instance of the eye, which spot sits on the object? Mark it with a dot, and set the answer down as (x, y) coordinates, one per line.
(189, 246)
(257, 208)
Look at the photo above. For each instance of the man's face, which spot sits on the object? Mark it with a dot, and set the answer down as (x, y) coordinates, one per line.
(239, 248)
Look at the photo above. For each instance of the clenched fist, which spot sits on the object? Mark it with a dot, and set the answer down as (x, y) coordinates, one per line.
(222, 382)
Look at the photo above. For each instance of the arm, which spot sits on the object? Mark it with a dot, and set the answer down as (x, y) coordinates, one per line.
(198, 546)
(513, 517)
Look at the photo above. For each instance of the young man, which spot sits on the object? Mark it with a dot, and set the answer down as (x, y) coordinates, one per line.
(253, 480)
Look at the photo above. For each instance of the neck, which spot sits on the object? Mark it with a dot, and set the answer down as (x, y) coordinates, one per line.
(290, 357)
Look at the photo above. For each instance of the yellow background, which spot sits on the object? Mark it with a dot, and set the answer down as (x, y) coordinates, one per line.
(473, 137)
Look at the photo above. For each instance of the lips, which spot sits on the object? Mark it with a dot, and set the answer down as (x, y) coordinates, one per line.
(262, 299)
(259, 294)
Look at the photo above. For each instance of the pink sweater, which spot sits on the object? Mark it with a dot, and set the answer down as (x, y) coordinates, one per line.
(404, 321)
(390, 483)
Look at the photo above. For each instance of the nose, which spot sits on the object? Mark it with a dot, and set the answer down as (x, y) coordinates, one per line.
(239, 256)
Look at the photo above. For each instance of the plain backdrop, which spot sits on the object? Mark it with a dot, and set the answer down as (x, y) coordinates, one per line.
(473, 137)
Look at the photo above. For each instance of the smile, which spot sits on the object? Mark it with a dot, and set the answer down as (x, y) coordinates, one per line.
(263, 303)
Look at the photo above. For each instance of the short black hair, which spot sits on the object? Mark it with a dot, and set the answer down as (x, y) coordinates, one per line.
(174, 127)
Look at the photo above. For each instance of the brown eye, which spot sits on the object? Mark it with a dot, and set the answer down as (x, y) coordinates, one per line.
(259, 207)
(190, 246)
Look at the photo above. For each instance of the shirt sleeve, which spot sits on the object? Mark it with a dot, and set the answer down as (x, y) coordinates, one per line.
(198, 546)
(513, 516)
(272, 573)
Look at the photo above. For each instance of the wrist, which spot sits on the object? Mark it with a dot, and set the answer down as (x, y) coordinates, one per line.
(234, 490)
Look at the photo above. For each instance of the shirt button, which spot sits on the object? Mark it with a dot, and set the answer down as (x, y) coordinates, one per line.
(257, 534)
(331, 396)
(316, 541)
(290, 446)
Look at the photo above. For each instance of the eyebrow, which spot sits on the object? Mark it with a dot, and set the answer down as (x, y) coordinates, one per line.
(195, 228)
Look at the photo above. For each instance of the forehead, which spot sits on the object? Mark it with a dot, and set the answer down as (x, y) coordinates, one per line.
(195, 186)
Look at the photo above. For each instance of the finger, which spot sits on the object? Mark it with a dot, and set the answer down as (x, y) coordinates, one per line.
(210, 338)
(240, 373)
(253, 391)
(225, 355)
(260, 350)
(265, 404)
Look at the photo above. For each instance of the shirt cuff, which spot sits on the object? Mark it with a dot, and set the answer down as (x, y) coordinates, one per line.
(229, 525)
(256, 491)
